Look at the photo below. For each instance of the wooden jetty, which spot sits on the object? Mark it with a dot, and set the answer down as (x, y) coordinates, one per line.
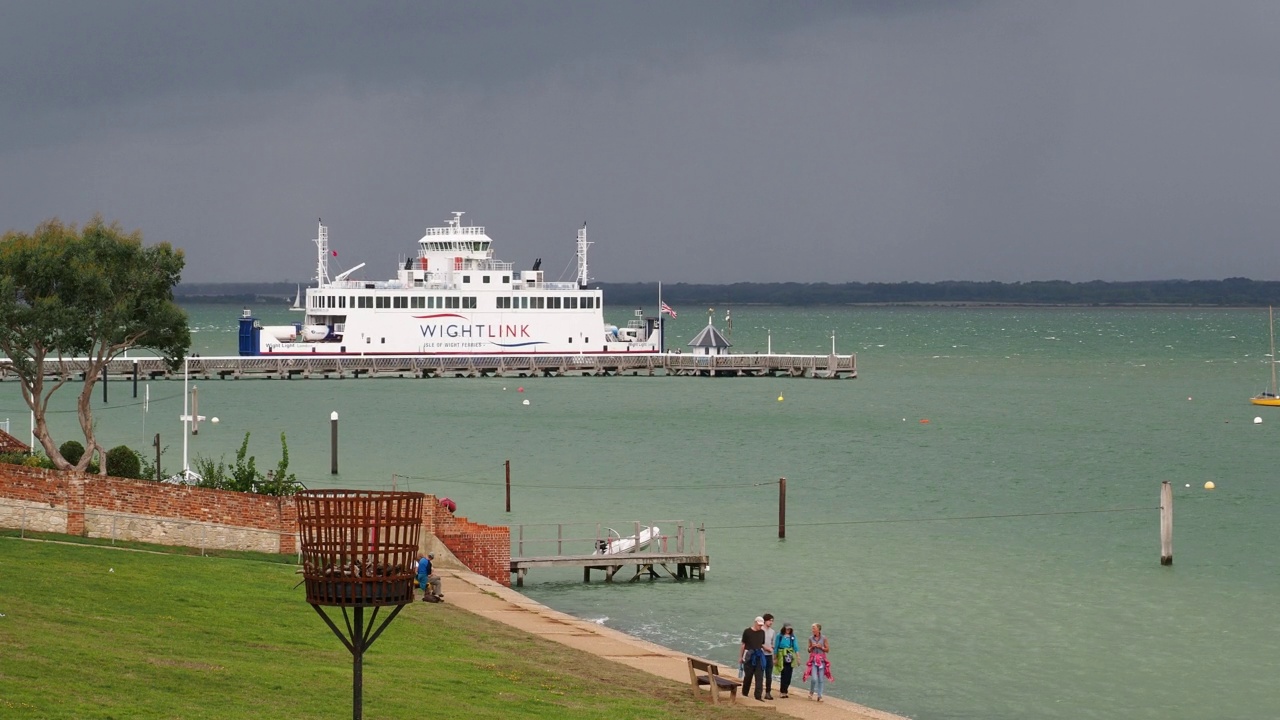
(296, 367)
(679, 556)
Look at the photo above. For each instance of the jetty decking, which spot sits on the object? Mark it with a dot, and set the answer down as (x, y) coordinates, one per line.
(680, 556)
(295, 367)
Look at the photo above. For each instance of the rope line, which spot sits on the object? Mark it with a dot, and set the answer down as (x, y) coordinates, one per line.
(581, 487)
(937, 519)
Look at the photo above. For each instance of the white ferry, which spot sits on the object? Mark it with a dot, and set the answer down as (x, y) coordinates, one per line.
(451, 298)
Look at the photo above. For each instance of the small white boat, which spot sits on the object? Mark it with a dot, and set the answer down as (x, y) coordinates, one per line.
(613, 542)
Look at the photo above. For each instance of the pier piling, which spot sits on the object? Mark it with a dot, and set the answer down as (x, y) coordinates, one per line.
(333, 443)
(782, 508)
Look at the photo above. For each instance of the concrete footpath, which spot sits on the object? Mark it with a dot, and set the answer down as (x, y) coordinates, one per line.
(487, 598)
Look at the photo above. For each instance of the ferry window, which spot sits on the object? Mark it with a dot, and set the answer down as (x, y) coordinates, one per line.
(431, 301)
(473, 303)
(382, 301)
(439, 301)
(485, 278)
(400, 302)
(553, 303)
(466, 278)
(537, 303)
(418, 301)
(570, 341)
(588, 303)
(524, 303)
(506, 279)
(451, 303)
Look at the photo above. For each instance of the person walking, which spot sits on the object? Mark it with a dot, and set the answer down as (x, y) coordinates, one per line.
(787, 654)
(818, 669)
(752, 658)
(769, 635)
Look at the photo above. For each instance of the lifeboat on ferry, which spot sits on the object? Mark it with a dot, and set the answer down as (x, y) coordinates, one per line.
(315, 333)
(282, 333)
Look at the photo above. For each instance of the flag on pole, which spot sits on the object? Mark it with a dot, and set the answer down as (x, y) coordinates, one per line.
(667, 309)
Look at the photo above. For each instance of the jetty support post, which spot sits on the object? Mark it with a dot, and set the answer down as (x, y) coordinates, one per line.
(157, 444)
(105, 374)
(135, 379)
(507, 465)
(1166, 523)
(782, 508)
(333, 443)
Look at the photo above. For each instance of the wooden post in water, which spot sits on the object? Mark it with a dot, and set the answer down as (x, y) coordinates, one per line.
(1166, 523)
(507, 464)
(333, 443)
(135, 379)
(157, 444)
(782, 508)
(104, 384)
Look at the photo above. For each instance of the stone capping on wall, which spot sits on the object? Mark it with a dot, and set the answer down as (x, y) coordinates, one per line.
(159, 512)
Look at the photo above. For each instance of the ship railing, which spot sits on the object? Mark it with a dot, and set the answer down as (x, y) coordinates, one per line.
(558, 286)
(463, 230)
(487, 265)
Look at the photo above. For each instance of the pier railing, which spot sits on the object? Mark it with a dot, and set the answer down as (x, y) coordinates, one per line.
(303, 366)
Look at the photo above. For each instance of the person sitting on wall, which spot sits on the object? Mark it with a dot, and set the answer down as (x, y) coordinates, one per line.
(427, 580)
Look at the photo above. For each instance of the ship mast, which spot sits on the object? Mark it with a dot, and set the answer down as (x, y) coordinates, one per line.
(322, 255)
(583, 278)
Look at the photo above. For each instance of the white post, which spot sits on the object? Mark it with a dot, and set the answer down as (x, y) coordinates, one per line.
(769, 347)
(833, 342)
(186, 415)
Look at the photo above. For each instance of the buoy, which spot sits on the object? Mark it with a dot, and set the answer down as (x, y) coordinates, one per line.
(779, 398)
(1257, 421)
(1209, 485)
(1188, 484)
(1188, 397)
(526, 401)
(519, 389)
(924, 421)
(214, 420)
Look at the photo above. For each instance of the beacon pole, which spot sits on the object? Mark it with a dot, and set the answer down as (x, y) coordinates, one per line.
(333, 443)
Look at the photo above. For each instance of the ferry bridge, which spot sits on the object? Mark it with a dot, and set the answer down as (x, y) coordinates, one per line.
(291, 367)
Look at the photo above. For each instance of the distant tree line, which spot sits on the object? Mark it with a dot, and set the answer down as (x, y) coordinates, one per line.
(1231, 292)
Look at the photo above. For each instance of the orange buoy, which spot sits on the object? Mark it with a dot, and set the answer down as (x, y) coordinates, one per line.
(924, 421)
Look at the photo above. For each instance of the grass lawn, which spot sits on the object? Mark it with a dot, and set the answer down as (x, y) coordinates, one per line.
(172, 636)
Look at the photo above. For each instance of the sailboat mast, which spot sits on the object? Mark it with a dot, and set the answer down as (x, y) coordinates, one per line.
(1272, 317)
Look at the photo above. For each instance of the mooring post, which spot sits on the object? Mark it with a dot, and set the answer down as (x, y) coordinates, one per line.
(104, 383)
(135, 379)
(507, 464)
(520, 538)
(333, 443)
(559, 538)
(1166, 523)
(157, 444)
(782, 508)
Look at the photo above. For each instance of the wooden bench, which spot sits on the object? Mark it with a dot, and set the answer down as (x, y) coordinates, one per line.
(704, 673)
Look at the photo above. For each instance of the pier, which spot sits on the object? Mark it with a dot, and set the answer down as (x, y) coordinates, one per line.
(682, 555)
(302, 367)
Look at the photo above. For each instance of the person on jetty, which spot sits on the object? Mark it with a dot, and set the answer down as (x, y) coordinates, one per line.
(818, 669)
(787, 654)
(752, 657)
(769, 635)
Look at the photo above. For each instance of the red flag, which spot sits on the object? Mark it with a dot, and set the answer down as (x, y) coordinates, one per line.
(667, 309)
(335, 253)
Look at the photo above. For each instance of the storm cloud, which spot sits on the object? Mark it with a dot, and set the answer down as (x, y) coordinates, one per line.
(702, 142)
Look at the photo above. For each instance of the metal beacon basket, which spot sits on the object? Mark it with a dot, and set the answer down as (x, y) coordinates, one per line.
(358, 551)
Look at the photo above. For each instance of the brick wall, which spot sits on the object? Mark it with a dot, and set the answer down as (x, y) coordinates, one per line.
(94, 506)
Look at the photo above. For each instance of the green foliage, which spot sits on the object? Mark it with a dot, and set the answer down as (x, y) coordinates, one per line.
(123, 461)
(19, 458)
(72, 451)
(93, 292)
(243, 475)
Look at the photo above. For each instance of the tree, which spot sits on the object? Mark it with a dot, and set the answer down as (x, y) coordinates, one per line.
(92, 293)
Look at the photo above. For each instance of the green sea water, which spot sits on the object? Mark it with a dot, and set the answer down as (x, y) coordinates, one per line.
(1000, 561)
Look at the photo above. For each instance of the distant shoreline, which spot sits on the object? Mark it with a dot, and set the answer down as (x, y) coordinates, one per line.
(1228, 293)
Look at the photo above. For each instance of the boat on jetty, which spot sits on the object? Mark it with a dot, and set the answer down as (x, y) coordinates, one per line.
(614, 543)
(451, 297)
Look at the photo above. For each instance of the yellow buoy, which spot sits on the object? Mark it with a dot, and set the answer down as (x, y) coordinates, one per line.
(779, 398)
(1209, 485)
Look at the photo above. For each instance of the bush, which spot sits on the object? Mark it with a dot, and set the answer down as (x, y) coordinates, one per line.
(123, 462)
(71, 451)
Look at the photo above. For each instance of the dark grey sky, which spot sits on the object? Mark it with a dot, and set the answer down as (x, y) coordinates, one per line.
(702, 142)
